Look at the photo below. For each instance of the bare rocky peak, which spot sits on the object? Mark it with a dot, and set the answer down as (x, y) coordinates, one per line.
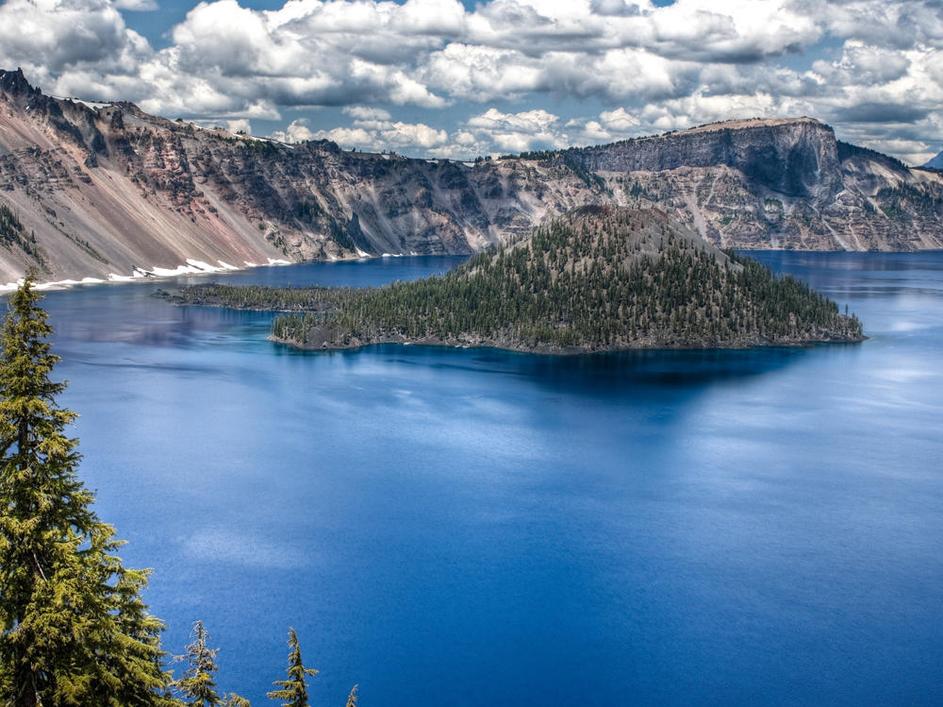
(14, 83)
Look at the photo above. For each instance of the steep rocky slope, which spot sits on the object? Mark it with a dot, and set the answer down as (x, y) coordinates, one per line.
(105, 189)
(776, 184)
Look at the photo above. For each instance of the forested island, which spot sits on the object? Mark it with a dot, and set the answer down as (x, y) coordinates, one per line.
(598, 279)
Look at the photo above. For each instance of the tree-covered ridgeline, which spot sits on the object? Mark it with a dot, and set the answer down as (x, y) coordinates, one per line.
(74, 629)
(601, 278)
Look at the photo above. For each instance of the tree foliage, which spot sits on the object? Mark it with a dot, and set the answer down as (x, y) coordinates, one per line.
(353, 697)
(293, 691)
(13, 233)
(599, 279)
(198, 684)
(75, 630)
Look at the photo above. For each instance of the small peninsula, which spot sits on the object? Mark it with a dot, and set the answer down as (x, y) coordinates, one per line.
(600, 278)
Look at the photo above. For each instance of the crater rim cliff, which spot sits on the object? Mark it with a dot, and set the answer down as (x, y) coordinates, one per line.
(105, 190)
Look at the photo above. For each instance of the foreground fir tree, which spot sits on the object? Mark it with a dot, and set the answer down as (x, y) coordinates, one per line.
(293, 692)
(75, 630)
(352, 697)
(198, 684)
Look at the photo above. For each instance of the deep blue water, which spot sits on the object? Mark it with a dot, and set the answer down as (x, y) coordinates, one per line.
(471, 527)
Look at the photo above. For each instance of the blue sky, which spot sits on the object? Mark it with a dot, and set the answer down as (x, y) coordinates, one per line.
(442, 78)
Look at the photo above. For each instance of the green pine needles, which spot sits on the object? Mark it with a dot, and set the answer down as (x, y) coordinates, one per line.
(75, 630)
(198, 684)
(293, 691)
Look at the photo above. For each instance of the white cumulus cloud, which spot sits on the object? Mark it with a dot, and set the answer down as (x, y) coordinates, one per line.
(871, 67)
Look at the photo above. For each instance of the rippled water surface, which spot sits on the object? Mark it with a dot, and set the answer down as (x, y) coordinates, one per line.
(471, 527)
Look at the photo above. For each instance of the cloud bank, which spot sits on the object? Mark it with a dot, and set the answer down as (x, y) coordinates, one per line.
(508, 75)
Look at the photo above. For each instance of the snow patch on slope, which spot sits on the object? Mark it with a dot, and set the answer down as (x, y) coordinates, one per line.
(191, 267)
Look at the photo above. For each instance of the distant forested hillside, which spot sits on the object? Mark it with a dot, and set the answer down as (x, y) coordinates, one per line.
(601, 278)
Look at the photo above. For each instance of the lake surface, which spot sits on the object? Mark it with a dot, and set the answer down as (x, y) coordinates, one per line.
(471, 527)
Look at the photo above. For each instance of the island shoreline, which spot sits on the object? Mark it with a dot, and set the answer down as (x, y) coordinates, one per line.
(557, 352)
(324, 347)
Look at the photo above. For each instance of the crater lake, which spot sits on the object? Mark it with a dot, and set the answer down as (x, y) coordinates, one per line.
(469, 527)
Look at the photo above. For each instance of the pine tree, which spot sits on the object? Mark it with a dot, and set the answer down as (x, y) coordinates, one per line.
(74, 628)
(352, 697)
(198, 684)
(234, 700)
(294, 691)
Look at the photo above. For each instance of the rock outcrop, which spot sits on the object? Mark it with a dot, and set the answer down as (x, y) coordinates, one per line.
(104, 188)
(785, 183)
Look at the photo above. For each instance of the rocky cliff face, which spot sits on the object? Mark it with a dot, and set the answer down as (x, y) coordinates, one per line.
(102, 189)
(776, 184)
(105, 189)
(795, 158)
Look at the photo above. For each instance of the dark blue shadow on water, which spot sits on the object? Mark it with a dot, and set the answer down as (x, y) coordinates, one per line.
(605, 371)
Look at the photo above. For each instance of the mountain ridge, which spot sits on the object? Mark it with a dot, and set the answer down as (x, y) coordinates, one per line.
(935, 162)
(105, 189)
